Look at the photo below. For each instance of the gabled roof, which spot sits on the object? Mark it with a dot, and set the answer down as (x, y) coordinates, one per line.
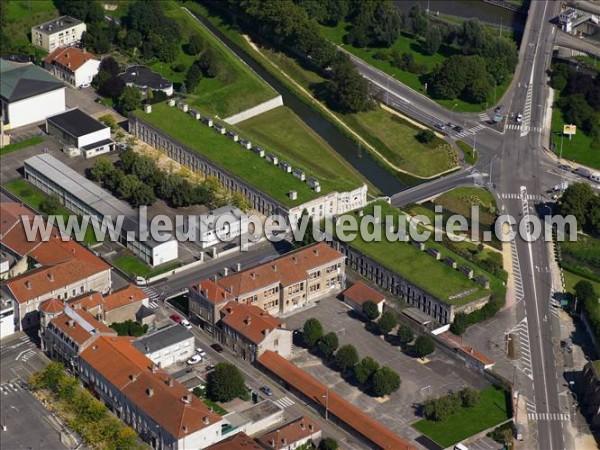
(212, 292)
(153, 391)
(69, 58)
(21, 81)
(80, 326)
(359, 293)
(86, 301)
(289, 433)
(10, 216)
(240, 441)
(338, 406)
(125, 296)
(249, 321)
(289, 269)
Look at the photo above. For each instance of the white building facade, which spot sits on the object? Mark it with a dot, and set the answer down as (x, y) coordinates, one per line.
(62, 32)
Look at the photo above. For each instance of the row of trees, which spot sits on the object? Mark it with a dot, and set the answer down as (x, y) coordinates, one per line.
(588, 299)
(439, 409)
(579, 99)
(287, 25)
(486, 60)
(583, 203)
(463, 321)
(84, 414)
(423, 346)
(373, 378)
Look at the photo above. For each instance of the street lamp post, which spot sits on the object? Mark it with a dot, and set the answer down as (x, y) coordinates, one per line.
(326, 397)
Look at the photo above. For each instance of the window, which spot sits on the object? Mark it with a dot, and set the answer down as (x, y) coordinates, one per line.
(315, 287)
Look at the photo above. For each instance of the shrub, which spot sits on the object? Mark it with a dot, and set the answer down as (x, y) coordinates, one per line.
(179, 68)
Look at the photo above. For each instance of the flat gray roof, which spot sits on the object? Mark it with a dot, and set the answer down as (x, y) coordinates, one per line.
(162, 338)
(56, 25)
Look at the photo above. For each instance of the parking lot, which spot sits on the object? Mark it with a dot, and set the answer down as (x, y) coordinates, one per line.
(437, 375)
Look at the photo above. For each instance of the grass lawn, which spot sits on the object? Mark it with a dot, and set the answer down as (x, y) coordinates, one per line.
(490, 411)
(408, 44)
(33, 197)
(420, 268)
(396, 140)
(122, 9)
(21, 15)
(470, 155)
(292, 140)
(582, 256)
(459, 200)
(132, 265)
(571, 279)
(235, 89)
(35, 140)
(579, 148)
(215, 407)
(233, 157)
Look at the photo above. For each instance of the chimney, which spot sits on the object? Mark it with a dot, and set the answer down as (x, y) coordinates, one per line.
(185, 429)
(247, 320)
(311, 427)
(133, 377)
(71, 323)
(283, 441)
(471, 351)
(169, 382)
(50, 276)
(154, 368)
(274, 266)
(253, 276)
(302, 427)
(84, 51)
(94, 347)
(205, 420)
(28, 284)
(272, 442)
(150, 392)
(294, 260)
(187, 399)
(316, 252)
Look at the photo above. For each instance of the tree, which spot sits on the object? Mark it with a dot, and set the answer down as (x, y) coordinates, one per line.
(109, 65)
(225, 383)
(328, 444)
(110, 121)
(370, 310)
(405, 334)
(346, 357)
(328, 344)
(425, 136)
(417, 20)
(133, 39)
(460, 324)
(364, 370)
(193, 77)
(50, 205)
(584, 291)
(469, 397)
(131, 99)
(387, 322)
(127, 186)
(348, 89)
(101, 168)
(113, 87)
(209, 63)
(575, 201)
(424, 345)
(195, 45)
(472, 37)
(385, 381)
(433, 40)
(312, 332)
(142, 195)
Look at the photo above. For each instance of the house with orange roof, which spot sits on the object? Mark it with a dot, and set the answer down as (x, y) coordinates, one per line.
(239, 441)
(146, 398)
(250, 331)
(291, 435)
(359, 293)
(280, 286)
(123, 304)
(73, 65)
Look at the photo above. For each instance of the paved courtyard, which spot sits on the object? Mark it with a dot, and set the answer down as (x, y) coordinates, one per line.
(436, 376)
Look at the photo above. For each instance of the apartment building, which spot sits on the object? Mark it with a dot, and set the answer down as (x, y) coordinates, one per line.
(72, 65)
(280, 286)
(249, 331)
(291, 435)
(62, 32)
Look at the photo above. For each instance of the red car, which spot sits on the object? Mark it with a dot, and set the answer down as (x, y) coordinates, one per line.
(175, 318)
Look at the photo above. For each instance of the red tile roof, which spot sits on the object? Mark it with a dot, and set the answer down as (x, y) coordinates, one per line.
(69, 58)
(51, 306)
(169, 405)
(250, 321)
(240, 441)
(87, 302)
(359, 293)
(212, 292)
(337, 405)
(289, 433)
(289, 269)
(77, 330)
(125, 296)
(10, 215)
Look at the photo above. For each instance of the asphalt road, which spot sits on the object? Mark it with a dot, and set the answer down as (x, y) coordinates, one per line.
(516, 169)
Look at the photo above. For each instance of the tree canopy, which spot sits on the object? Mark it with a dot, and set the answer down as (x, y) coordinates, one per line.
(225, 383)
(346, 357)
(312, 332)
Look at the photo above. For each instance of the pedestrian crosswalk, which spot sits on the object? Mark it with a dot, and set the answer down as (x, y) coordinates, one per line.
(284, 402)
(556, 417)
(514, 196)
(471, 131)
(521, 127)
(8, 387)
(153, 297)
(484, 116)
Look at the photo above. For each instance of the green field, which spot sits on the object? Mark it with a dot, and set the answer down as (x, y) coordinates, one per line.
(580, 148)
(470, 154)
(33, 197)
(132, 265)
(582, 256)
(235, 89)
(396, 140)
(233, 157)
(122, 9)
(21, 15)
(421, 269)
(407, 43)
(491, 410)
(292, 140)
(35, 140)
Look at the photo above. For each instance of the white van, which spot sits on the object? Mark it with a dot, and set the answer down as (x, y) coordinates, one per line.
(461, 447)
(595, 177)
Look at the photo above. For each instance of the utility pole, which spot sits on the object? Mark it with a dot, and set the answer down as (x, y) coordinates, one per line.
(326, 397)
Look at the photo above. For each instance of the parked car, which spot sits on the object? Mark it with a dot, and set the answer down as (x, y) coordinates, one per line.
(583, 172)
(201, 352)
(266, 390)
(84, 86)
(186, 324)
(194, 360)
(519, 118)
(175, 318)
(595, 177)
(217, 348)
(565, 167)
